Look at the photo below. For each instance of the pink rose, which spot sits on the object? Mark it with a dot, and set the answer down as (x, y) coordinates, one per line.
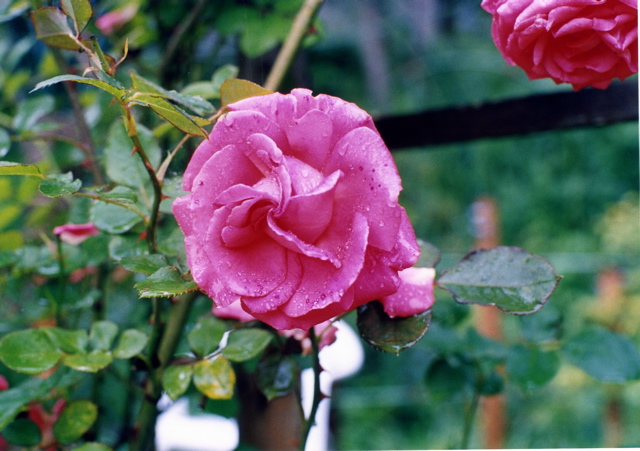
(415, 294)
(582, 42)
(113, 20)
(75, 233)
(293, 210)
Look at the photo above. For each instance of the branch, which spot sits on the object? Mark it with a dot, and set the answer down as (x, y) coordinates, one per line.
(292, 43)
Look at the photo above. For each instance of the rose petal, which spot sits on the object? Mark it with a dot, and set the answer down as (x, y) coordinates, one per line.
(415, 294)
(370, 186)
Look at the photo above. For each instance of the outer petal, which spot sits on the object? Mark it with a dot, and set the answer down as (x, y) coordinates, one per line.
(371, 184)
(415, 294)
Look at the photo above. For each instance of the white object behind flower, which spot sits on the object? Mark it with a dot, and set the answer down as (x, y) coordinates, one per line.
(176, 429)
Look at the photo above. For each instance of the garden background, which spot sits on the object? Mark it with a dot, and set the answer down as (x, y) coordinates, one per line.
(570, 196)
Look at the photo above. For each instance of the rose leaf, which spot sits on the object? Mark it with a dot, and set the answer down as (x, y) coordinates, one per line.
(214, 378)
(165, 282)
(176, 380)
(387, 334)
(508, 277)
(245, 344)
(76, 419)
(29, 351)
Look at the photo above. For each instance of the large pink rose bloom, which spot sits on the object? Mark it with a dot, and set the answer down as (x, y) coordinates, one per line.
(582, 42)
(293, 210)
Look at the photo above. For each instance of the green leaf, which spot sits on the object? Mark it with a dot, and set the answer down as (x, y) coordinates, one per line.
(235, 89)
(604, 355)
(31, 111)
(214, 378)
(176, 380)
(531, 368)
(145, 264)
(277, 375)
(12, 401)
(28, 351)
(165, 282)
(195, 103)
(449, 376)
(390, 334)
(13, 9)
(124, 167)
(206, 335)
(59, 185)
(52, 28)
(9, 168)
(245, 344)
(92, 446)
(222, 74)
(88, 363)
(69, 341)
(113, 218)
(22, 432)
(115, 89)
(508, 277)
(5, 142)
(80, 11)
(429, 255)
(170, 113)
(102, 334)
(132, 342)
(76, 419)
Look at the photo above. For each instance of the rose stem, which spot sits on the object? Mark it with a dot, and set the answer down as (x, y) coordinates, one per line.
(292, 43)
(317, 393)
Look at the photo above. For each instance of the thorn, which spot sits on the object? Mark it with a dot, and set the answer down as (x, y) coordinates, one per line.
(143, 236)
(134, 150)
(164, 196)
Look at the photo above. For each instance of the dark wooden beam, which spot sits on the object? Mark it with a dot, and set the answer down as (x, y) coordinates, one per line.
(538, 113)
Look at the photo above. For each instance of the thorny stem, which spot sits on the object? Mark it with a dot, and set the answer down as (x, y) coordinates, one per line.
(155, 182)
(317, 393)
(292, 43)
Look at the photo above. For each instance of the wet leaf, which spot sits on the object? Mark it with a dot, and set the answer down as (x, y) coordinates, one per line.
(51, 26)
(390, 334)
(214, 378)
(132, 342)
(102, 335)
(277, 375)
(113, 218)
(69, 341)
(88, 363)
(165, 282)
(234, 89)
(604, 355)
(171, 114)
(76, 419)
(531, 368)
(206, 335)
(59, 185)
(22, 432)
(115, 89)
(245, 344)
(194, 102)
(29, 351)
(508, 277)
(9, 168)
(145, 264)
(176, 380)
(80, 11)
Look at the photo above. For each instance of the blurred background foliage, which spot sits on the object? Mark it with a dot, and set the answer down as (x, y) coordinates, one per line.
(570, 196)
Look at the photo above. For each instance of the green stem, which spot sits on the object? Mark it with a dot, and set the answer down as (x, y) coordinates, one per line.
(469, 415)
(62, 281)
(175, 325)
(290, 46)
(130, 125)
(317, 393)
